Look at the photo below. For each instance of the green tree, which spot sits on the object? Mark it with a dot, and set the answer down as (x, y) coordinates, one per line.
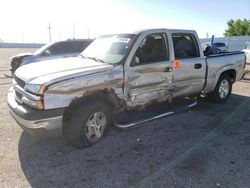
(238, 27)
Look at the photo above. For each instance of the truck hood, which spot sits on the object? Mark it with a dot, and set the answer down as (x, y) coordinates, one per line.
(59, 69)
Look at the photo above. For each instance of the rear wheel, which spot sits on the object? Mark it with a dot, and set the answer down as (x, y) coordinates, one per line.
(222, 90)
(88, 124)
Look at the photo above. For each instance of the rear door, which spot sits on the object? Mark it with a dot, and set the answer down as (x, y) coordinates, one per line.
(190, 67)
(149, 76)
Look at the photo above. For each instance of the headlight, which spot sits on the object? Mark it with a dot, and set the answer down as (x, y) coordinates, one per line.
(35, 88)
(32, 103)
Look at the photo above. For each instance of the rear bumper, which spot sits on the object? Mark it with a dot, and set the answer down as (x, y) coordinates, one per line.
(36, 122)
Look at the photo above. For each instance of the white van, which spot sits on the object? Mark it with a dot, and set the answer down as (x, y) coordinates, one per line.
(247, 52)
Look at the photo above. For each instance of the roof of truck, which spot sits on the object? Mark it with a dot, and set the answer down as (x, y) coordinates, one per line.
(157, 29)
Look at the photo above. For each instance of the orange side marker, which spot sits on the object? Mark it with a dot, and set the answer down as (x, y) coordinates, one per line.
(177, 64)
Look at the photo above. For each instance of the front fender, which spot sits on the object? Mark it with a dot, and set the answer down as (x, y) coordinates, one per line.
(61, 94)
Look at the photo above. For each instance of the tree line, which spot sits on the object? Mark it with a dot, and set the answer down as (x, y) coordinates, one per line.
(237, 27)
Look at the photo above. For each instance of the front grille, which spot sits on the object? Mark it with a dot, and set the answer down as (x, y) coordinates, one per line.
(18, 97)
(20, 82)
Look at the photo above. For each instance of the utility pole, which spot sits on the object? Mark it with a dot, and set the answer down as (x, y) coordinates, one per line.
(49, 28)
(74, 30)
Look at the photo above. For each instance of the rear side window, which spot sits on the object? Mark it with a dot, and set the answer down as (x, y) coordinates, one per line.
(69, 47)
(185, 46)
(83, 45)
(60, 48)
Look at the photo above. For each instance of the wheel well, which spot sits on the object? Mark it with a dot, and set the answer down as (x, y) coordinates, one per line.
(231, 73)
(106, 95)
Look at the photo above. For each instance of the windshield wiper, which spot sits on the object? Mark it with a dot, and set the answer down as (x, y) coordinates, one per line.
(93, 58)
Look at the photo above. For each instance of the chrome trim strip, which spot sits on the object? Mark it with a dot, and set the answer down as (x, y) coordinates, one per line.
(142, 121)
(124, 126)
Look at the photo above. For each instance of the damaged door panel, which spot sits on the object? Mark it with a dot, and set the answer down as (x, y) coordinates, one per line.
(150, 74)
(149, 82)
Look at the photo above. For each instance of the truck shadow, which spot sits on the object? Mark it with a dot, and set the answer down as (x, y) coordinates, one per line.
(245, 80)
(125, 157)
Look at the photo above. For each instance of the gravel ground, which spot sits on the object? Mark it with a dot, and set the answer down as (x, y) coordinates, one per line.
(207, 146)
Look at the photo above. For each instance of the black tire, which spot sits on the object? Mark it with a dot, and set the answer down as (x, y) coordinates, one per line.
(222, 90)
(78, 129)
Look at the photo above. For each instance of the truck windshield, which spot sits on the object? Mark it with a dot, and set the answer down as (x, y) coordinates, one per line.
(109, 49)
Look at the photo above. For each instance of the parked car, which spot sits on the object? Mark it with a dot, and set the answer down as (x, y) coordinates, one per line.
(59, 49)
(218, 47)
(221, 46)
(80, 96)
(247, 52)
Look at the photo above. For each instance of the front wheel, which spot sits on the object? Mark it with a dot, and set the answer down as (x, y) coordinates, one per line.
(88, 124)
(222, 90)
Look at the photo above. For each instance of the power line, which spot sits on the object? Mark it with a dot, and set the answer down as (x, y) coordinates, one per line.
(207, 34)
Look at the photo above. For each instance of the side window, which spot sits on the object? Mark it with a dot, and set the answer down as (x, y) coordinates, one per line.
(72, 47)
(64, 47)
(185, 46)
(67, 47)
(57, 48)
(152, 49)
(84, 45)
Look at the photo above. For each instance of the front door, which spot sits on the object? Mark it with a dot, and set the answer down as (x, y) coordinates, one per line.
(149, 77)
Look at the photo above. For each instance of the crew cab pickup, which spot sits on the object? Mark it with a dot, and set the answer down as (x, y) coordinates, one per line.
(79, 96)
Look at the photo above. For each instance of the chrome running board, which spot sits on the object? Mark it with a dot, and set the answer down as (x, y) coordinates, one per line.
(124, 126)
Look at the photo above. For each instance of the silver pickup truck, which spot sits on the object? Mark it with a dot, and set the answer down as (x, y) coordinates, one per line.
(80, 96)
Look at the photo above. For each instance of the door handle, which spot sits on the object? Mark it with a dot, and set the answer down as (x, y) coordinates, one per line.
(197, 66)
(168, 69)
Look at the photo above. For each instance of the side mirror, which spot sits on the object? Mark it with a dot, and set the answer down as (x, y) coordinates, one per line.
(135, 61)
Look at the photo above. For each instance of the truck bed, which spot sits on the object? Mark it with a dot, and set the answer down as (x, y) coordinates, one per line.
(225, 54)
(218, 63)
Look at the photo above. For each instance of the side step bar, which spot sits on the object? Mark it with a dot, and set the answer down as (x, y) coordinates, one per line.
(128, 125)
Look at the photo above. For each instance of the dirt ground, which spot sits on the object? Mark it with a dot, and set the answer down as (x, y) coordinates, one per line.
(207, 146)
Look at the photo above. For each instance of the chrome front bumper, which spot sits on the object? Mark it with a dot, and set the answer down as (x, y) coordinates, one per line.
(32, 119)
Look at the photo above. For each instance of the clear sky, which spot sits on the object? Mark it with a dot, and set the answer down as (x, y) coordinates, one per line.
(27, 20)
